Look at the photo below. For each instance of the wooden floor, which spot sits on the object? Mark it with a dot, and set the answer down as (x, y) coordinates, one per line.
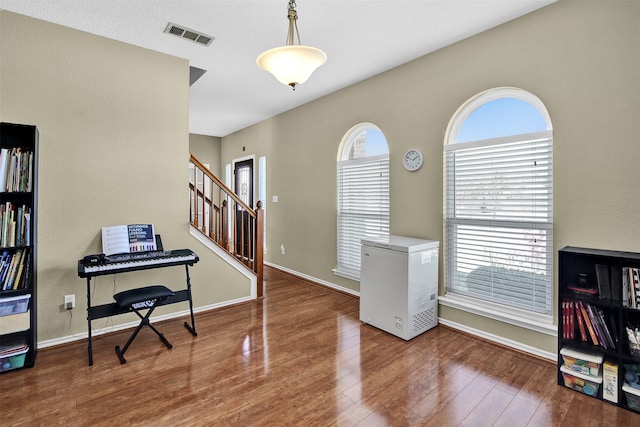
(300, 357)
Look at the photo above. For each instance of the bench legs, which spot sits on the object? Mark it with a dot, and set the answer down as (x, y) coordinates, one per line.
(144, 321)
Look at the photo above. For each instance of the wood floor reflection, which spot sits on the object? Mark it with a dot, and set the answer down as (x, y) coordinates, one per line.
(300, 357)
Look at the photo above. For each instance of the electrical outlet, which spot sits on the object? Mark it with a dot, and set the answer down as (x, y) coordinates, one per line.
(282, 249)
(69, 302)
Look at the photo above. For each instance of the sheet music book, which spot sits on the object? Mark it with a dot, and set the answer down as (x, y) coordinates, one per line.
(119, 239)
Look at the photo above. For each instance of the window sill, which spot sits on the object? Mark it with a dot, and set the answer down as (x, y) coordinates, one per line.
(542, 324)
(353, 275)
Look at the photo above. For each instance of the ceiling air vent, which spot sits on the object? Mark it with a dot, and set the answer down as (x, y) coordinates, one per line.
(186, 33)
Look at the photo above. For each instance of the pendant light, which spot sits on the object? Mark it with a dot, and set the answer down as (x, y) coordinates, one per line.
(292, 64)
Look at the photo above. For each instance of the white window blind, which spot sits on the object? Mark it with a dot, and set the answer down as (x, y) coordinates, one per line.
(499, 220)
(363, 207)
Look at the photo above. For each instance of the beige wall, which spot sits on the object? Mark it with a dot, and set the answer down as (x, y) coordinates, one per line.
(114, 149)
(207, 149)
(109, 136)
(581, 58)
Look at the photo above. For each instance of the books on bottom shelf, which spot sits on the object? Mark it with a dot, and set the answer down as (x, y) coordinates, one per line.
(592, 324)
(14, 269)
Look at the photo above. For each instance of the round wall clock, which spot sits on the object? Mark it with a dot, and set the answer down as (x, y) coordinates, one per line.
(412, 160)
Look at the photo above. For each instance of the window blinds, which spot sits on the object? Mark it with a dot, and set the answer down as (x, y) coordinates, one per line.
(499, 220)
(363, 207)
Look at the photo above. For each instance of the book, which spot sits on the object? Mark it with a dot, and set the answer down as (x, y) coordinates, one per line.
(27, 228)
(615, 280)
(587, 322)
(4, 162)
(27, 265)
(568, 319)
(128, 238)
(626, 296)
(602, 277)
(605, 329)
(614, 326)
(17, 282)
(583, 333)
(13, 270)
(19, 226)
(634, 277)
(572, 321)
(563, 317)
(597, 327)
(633, 302)
(3, 272)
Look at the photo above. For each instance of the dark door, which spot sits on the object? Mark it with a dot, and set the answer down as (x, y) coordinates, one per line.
(243, 173)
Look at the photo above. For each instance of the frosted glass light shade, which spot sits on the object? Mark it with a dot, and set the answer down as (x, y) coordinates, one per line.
(292, 64)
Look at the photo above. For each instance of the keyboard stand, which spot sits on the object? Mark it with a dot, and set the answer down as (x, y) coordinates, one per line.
(113, 309)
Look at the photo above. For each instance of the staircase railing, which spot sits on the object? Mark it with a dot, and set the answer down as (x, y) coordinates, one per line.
(218, 213)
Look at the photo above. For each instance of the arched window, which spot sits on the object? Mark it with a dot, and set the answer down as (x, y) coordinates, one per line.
(498, 205)
(363, 194)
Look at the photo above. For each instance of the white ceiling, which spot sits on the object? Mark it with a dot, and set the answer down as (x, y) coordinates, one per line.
(361, 38)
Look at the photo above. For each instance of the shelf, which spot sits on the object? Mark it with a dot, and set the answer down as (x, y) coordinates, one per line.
(18, 308)
(600, 271)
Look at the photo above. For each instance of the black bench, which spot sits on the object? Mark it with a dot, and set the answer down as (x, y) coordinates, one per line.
(141, 299)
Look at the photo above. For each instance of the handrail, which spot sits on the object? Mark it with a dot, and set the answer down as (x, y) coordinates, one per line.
(215, 210)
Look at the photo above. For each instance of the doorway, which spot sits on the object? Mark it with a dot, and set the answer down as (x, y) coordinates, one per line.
(243, 187)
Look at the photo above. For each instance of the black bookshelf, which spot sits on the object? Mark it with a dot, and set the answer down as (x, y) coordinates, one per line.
(18, 240)
(593, 279)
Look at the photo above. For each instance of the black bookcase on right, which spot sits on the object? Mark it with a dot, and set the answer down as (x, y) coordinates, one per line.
(599, 324)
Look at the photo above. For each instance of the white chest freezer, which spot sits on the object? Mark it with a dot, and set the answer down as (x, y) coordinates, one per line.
(399, 285)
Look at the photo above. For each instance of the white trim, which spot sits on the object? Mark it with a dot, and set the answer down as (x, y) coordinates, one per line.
(315, 279)
(254, 185)
(491, 311)
(347, 274)
(489, 95)
(228, 258)
(133, 324)
(501, 340)
(347, 139)
(242, 159)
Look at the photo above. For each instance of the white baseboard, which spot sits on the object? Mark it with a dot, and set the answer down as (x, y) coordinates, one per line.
(315, 279)
(500, 340)
(120, 327)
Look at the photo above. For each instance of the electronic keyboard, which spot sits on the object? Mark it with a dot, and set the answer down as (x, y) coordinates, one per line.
(97, 265)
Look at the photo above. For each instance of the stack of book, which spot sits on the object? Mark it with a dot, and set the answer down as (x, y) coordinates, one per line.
(16, 170)
(591, 323)
(14, 270)
(15, 224)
